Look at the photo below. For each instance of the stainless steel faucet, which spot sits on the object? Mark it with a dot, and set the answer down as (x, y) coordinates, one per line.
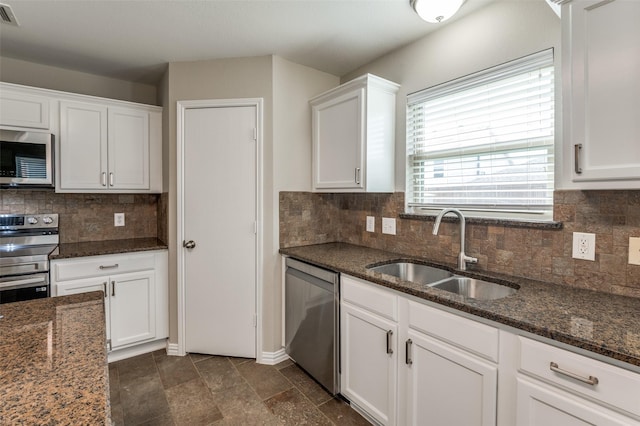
(463, 259)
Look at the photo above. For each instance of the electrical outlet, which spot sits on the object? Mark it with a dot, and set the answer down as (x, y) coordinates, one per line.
(388, 226)
(634, 250)
(118, 219)
(584, 246)
(371, 224)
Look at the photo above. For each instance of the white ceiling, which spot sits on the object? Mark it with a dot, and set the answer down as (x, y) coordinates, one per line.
(134, 39)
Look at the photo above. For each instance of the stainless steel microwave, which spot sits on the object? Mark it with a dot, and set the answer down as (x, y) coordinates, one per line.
(26, 159)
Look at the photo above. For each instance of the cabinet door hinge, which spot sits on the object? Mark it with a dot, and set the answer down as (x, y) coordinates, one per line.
(255, 134)
(255, 227)
(255, 320)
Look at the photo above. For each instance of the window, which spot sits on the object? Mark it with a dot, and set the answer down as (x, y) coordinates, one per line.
(485, 142)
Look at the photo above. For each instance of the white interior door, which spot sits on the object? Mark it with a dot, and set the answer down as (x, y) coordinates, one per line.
(220, 218)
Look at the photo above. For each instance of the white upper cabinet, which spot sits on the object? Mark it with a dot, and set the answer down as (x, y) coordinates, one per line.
(108, 148)
(101, 145)
(601, 94)
(21, 107)
(354, 136)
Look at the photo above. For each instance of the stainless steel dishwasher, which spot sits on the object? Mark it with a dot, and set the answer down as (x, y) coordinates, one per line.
(311, 321)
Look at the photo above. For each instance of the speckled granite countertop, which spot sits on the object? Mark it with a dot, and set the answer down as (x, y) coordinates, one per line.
(96, 248)
(53, 362)
(598, 322)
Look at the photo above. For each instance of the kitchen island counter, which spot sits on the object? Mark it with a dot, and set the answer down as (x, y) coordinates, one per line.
(53, 361)
(600, 323)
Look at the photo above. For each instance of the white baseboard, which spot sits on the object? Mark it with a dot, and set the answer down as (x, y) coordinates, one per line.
(272, 358)
(120, 354)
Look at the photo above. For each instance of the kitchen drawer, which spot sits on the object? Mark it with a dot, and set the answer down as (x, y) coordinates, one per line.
(616, 387)
(473, 336)
(369, 296)
(86, 267)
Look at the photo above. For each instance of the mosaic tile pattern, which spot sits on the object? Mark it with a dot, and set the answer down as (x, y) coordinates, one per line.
(530, 252)
(89, 217)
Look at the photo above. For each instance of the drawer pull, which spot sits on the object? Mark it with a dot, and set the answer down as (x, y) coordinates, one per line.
(115, 265)
(389, 349)
(591, 380)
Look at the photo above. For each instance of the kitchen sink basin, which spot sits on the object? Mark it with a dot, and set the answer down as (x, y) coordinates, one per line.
(414, 272)
(474, 288)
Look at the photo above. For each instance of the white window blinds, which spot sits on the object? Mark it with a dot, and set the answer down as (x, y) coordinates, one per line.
(485, 141)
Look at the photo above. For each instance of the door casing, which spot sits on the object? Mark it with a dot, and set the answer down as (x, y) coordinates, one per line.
(181, 107)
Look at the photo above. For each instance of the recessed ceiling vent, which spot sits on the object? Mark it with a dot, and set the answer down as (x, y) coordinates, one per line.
(7, 16)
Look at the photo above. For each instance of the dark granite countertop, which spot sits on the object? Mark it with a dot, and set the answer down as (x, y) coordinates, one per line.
(601, 323)
(96, 248)
(53, 361)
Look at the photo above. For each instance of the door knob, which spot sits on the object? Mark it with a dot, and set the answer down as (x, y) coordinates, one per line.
(189, 244)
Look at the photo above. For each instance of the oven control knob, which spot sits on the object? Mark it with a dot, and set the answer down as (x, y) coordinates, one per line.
(32, 220)
(47, 220)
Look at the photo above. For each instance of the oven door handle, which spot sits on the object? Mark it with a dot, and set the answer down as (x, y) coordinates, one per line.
(26, 282)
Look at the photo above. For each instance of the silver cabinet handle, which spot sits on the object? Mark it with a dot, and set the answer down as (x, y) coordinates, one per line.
(389, 335)
(110, 178)
(104, 179)
(591, 380)
(104, 284)
(189, 244)
(358, 175)
(113, 288)
(115, 265)
(576, 158)
(407, 358)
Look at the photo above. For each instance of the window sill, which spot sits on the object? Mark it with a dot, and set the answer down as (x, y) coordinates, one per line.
(512, 223)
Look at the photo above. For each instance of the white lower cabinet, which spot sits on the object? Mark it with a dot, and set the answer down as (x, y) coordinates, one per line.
(369, 351)
(135, 292)
(406, 362)
(447, 386)
(398, 374)
(542, 405)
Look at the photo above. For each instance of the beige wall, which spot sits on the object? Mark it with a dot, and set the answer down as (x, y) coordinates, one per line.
(293, 86)
(500, 32)
(286, 88)
(32, 74)
(215, 79)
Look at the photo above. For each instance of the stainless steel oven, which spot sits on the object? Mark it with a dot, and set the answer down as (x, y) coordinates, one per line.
(26, 159)
(26, 241)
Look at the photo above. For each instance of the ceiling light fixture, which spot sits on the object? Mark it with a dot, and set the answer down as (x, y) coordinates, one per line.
(436, 10)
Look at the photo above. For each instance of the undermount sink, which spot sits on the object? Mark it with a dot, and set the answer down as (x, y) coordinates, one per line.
(414, 272)
(444, 280)
(474, 288)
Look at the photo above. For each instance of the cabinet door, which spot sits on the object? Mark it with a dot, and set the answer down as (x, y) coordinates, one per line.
(23, 109)
(338, 138)
(447, 386)
(128, 149)
(541, 405)
(133, 308)
(85, 286)
(83, 146)
(603, 60)
(369, 353)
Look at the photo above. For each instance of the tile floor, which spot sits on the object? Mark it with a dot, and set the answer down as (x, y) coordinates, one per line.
(156, 389)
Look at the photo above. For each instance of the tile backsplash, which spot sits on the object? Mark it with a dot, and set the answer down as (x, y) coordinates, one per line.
(542, 254)
(89, 217)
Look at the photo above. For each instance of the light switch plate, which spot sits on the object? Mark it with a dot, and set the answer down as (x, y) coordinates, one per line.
(634, 250)
(584, 246)
(371, 224)
(118, 219)
(388, 226)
